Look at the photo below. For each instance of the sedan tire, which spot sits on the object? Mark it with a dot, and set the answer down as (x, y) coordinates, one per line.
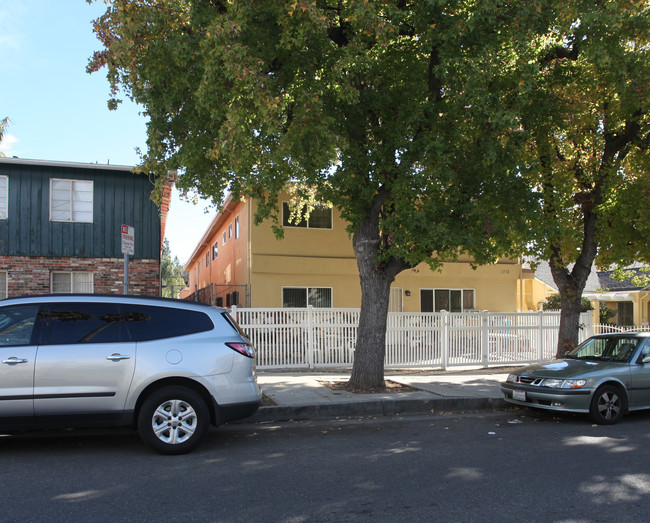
(173, 420)
(608, 405)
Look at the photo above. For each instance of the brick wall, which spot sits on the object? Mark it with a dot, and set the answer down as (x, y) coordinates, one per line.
(31, 274)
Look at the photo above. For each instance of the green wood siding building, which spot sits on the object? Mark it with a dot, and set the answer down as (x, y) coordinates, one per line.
(68, 216)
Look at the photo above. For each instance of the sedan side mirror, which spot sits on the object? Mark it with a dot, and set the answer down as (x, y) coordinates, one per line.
(646, 359)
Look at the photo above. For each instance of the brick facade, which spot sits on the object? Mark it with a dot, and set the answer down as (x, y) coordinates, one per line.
(31, 274)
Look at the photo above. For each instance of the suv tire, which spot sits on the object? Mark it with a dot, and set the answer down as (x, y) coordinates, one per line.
(173, 420)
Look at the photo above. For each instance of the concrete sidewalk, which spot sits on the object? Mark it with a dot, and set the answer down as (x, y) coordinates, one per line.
(300, 395)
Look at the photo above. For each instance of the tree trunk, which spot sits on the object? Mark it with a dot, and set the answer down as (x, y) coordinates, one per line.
(376, 279)
(571, 285)
(569, 332)
(370, 351)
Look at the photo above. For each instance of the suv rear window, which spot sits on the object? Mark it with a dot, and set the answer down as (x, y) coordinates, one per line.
(151, 323)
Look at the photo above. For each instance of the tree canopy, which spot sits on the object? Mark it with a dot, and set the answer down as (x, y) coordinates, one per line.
(435, 127)
(585, 107)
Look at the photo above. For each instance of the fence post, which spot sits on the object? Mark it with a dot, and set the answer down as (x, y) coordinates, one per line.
(445, 339)
(485, 339)
(540, 335)
(310, 337)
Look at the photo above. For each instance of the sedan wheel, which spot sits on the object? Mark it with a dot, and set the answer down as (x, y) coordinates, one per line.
(607, 405)
(173, 420)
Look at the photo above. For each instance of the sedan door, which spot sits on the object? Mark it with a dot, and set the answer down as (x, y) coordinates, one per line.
(86, 366)
(17, 357)
(639, 388)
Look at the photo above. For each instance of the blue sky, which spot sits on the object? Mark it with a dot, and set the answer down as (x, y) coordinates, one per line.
(57, 111)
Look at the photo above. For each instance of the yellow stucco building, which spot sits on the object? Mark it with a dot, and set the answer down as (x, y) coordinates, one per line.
(239, 263)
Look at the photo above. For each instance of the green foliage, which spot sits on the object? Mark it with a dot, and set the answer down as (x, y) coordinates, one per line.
(171, 273)
(605, 315)
(554, 303)
(385, 108)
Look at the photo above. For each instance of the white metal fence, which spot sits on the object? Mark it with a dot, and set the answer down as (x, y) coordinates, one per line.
(314, 337)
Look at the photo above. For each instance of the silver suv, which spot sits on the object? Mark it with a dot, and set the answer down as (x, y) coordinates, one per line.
(168, 368)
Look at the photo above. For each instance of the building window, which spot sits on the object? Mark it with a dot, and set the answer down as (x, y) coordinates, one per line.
(215, 250)
(223, 238)
(451, 300)
(319, 218)
(229, 231)
(304, 296)
(67, 282)
(4, 197)
(71, 200)
(236, 227)
(3, 285)
(625, 311)
(207, 258)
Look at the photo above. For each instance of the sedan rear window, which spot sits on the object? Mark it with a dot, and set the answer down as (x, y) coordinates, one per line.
(151, 323)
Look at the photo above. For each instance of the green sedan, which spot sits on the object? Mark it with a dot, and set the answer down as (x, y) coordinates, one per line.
(605, 376)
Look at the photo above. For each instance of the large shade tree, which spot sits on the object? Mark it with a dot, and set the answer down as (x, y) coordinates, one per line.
(584, 102)
(390, 110)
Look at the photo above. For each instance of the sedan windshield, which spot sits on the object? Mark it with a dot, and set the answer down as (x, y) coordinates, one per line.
(605, 349)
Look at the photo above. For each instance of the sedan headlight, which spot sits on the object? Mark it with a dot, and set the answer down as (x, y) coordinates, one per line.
(512, 378)
(563, 384)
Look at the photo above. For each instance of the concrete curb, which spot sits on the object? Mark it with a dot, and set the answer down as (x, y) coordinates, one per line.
(375, 408)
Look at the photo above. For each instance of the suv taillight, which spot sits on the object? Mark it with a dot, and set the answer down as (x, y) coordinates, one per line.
(243, 348)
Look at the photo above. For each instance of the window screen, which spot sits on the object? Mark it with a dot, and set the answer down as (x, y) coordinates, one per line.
(71, 200)
(71, 282)
(303, 296)
(4, 197)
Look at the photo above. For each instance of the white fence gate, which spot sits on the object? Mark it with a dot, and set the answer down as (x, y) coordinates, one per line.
(315, 337)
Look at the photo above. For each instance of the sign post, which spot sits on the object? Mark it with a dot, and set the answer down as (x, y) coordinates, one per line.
(128, 248)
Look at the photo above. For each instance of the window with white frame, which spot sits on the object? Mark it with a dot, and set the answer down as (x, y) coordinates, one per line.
(215, 250)
(3, 285)
(71, 200)
(236, 227)
(304, 296)
(67, 282)
(4, 197)
(451, 300)
(230, 231)
(320, 217)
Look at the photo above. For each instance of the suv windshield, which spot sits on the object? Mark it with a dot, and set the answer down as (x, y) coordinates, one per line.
(606, 349)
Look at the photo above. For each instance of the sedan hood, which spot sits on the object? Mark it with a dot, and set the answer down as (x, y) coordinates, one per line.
(569, 368)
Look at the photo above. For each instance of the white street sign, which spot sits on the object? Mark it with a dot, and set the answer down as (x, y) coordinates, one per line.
(128, 240)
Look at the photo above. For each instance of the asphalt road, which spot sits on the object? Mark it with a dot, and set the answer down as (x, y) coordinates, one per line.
(504, 466)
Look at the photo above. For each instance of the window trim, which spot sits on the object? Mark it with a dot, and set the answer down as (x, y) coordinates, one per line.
(72, 289)
(71, 200)
(306, 226)
(4, 211)
(307, 288)
(4, 293)
(449, 289)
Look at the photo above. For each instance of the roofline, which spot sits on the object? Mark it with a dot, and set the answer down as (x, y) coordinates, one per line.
(226, 210)
(78, 165)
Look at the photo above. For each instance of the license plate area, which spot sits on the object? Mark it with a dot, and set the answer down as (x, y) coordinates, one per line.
(519, 395)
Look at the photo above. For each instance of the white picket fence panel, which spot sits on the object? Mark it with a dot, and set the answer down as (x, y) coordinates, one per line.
(319, 338)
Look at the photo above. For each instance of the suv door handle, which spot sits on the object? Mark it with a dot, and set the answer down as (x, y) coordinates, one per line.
(13, 360)
(118, 357)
